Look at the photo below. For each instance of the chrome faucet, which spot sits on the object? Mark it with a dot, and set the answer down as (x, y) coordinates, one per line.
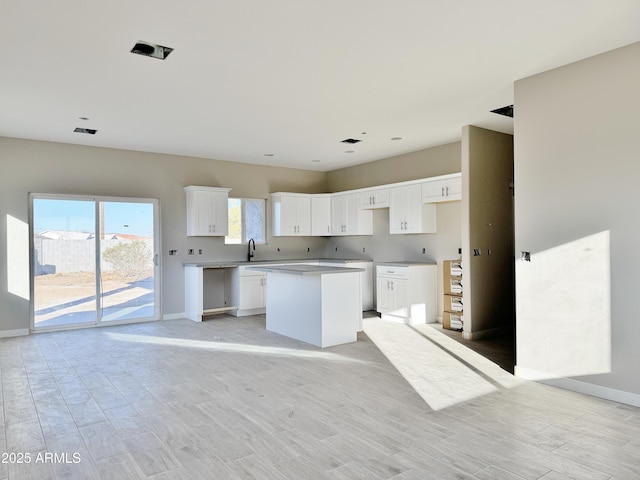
(249, 252)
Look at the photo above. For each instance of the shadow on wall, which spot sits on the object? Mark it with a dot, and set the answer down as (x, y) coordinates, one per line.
(563, 305)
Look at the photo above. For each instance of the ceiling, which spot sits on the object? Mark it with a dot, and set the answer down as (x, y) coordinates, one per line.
(282, 82)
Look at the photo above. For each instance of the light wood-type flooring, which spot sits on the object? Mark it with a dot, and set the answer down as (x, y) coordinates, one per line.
(225, 399)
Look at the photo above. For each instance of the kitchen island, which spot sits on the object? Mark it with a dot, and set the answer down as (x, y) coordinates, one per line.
(320, 305)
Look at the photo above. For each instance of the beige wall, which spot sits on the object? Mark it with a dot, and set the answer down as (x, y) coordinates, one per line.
(487, 206)
(43, 167)
(577, 145)
(421, 164)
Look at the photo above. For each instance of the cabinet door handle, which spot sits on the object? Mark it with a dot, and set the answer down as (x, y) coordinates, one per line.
(443, 191)
(447, 191)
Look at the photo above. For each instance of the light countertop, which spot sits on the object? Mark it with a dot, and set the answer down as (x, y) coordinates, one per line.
(306, 269)
(231, 264)
(403, 264)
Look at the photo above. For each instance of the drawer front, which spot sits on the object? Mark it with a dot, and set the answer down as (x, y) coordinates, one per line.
(392, 272)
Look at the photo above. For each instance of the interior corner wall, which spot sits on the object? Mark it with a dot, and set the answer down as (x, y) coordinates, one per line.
(429, 162)
(487, 232)
(56, 168)
(577, 145)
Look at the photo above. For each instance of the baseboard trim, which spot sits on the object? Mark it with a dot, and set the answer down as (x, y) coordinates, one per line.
(586, 388)
(14, 333)
(174, 316)
(490, 332)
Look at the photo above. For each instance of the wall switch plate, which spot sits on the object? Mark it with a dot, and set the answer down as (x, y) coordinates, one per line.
(173, 252)
(190, 251)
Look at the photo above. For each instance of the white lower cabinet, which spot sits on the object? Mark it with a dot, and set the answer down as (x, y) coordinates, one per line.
(248, 291)
(366, 279)
(392, 296)
(406, 292)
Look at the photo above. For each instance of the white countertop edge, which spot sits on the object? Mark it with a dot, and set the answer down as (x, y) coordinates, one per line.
(243, 263)
(306, 269)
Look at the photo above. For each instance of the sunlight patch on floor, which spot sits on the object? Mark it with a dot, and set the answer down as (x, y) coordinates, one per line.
(442, 371)
(233, 347)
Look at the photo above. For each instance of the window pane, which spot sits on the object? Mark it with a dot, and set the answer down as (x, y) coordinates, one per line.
(254, 220)
(235, 221)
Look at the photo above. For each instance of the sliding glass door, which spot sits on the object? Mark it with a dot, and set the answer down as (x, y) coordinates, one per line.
(94, 260)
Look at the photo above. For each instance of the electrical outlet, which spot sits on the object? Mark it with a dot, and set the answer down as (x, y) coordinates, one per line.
(424, 250)
(173, 252)
(200, 251)
(362, 249)
(308, 249)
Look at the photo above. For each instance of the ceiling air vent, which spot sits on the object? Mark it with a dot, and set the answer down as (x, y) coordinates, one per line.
(506, 111)
(350, 140)
(147, 49)
(88, 131)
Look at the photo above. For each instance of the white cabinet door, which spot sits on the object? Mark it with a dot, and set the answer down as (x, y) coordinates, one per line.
(207, 211)
(413, 209)
(220, 213)
(392, 296)
(252, 289)
(347, 218)
(398, 298)
(288, 216)
(320, 215)
(383, 304)
(338, 215)
(407, 213)
(351, 209)
(433, 191)
(303, 215)
(291, 214)
(374, 198)
(444, 190)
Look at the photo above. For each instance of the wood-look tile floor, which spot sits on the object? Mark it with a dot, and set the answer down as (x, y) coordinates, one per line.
(225, 399)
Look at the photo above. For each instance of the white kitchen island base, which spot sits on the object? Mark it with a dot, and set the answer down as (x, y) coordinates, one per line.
(317, 305)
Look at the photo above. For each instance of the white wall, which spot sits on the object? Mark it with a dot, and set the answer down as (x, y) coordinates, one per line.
(577, 167)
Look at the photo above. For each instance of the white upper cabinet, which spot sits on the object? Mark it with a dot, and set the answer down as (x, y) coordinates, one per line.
(291, 214)
(378, 198)
(207, 211)
(443, 189)
(347, 218)
(407, 213)
(321, 215)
